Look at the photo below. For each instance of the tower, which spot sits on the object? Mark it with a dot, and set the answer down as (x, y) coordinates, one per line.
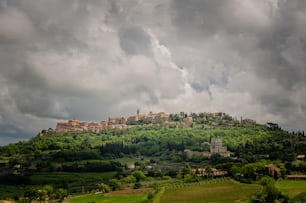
(212, 145)
(137, 115)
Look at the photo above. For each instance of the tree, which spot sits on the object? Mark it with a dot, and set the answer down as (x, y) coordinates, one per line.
(129, 179)
(114, 184)
(186, 170)
(215, 158)
(31, 193)
(139, 175)
(270, 193)
(209, 171)
(42, 195)
(61, 193)
(235, 171)
(104, 188)
(49, 189)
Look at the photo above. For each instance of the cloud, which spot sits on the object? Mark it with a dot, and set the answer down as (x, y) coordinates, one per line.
(95, 59)
(134, 40)
(15, 25)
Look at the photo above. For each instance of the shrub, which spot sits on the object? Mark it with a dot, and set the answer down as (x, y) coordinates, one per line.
(114, 184)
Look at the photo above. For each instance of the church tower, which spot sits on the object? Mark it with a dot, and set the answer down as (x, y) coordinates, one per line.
(137, 115)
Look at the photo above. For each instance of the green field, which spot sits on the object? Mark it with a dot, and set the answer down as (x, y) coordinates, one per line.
(291, 187)
(227, 191)
(73, 182)
(70, 179)
(99, 198)
(217, 192)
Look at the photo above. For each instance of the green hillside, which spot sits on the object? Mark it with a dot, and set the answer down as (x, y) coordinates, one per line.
(157, 150)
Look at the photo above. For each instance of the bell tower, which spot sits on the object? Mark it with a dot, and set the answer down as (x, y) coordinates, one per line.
(137, 114)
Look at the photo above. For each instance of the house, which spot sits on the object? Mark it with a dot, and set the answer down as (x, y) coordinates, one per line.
(208, 172)
(297, 176)
(130, 166)
(188, 121)
(273, 170)
(248, 121)
(301, 157)
(171, 124)
(17, 166)
(272, 126)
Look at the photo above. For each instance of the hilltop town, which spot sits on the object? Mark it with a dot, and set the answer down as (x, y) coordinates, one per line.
(161, 118)
(119, 122)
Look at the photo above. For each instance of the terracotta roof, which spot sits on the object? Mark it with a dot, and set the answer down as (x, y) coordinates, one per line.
(297, 176)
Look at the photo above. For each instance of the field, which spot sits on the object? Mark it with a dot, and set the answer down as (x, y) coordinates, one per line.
(126, 196)
(71, 179)
(217, 192)
(227, 191)
(135, 198)
(291, 187)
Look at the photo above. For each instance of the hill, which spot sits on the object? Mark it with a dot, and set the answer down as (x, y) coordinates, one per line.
(156, 147)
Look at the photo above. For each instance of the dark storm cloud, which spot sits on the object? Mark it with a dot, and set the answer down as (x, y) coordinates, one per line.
(198, 18)
(283, 58)
(94, 59)
(284, 46)
(133, 40)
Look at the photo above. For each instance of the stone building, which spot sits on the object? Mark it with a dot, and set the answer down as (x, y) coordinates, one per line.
(70, 126)
(248, 121)
(216, 147)
(273, 170)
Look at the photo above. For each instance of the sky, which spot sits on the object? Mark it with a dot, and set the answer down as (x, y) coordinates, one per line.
(95, 59)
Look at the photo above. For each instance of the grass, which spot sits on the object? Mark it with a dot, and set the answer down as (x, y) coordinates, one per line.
(157, 197)
(126, 196)
(227, 191)
(216, 192)
(10, 192)
(98, 198)
(291, 187)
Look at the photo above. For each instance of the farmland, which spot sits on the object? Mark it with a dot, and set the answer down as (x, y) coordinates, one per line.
(227, 191)
(207, 191)
(291, 187)
(128, 196)
(217, 191)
